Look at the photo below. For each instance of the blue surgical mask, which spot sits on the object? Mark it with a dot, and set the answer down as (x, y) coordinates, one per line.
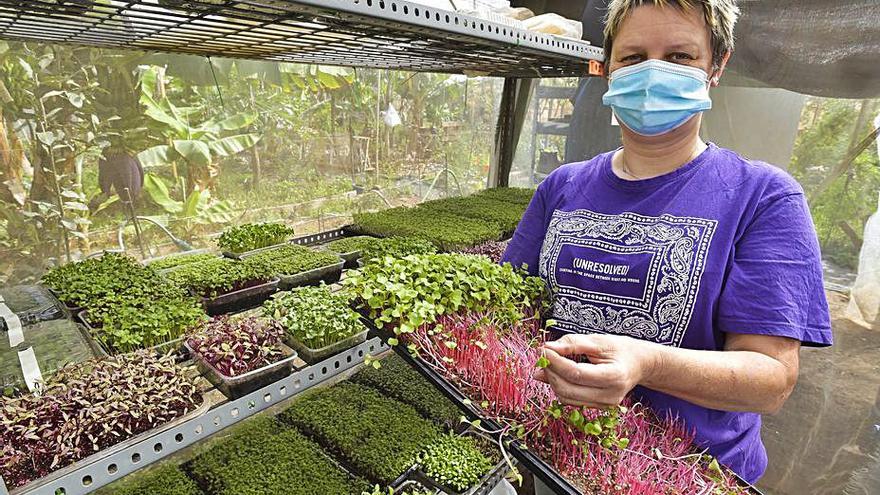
(654, 97)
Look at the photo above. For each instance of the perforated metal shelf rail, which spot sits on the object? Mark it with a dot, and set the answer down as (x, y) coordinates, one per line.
(390, 34)
(91, 476)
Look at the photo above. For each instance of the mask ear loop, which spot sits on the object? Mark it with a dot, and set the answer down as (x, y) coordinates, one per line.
(713, 79)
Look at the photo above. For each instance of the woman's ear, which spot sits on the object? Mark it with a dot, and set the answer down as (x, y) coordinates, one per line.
(715, 79)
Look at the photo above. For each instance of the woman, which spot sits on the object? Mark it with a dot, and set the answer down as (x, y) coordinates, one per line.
(683, 272)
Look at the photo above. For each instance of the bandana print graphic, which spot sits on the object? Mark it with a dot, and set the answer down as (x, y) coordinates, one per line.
(625, 274)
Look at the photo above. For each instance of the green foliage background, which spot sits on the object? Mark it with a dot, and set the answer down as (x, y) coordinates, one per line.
(222, 141)
(828, 130)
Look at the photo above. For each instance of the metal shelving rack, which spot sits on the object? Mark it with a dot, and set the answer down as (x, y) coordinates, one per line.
(89, 476)
(390, 34)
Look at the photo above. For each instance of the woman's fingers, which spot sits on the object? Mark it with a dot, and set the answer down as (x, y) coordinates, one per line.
(580, 403)
(540, 375)
(593, 375)
(579, 395)
(571, 345)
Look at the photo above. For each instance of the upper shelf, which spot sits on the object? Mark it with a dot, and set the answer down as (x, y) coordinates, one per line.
(357, 33)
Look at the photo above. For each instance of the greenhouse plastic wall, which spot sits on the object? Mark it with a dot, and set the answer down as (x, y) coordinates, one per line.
(303, 144)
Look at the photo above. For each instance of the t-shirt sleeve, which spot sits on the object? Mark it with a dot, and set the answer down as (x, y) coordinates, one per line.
(525, 246)
(774, 286)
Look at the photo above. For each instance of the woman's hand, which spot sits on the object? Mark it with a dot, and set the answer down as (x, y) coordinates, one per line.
(617, 364)
(754, 373)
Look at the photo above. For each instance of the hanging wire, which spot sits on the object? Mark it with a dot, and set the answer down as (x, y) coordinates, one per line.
(216, 84)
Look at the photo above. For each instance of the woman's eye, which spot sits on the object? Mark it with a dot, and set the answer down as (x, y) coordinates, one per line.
(631, 58)
(680, 56)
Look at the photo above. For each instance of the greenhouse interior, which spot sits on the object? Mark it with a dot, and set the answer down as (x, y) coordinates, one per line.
(462, 247)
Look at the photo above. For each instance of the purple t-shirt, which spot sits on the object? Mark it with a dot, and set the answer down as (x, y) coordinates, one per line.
(721, 244)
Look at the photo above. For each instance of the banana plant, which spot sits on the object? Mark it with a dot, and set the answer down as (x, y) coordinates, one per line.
(198, 208)
(197, 147)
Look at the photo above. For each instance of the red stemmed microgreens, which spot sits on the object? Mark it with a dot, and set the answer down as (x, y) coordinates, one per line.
(237, 346)
(494, 250)
(626, 449)
(543, 362)
(88, 407)
(603, 427)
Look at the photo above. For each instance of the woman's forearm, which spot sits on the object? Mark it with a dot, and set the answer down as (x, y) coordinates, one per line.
(753, 373)
(729, 380)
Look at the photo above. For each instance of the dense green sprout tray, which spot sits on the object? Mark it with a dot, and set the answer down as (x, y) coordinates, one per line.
(395, 378)
(298, 265)
(451, 223)
(504, 214)
(216, 276)
(178, 259)
(351, 244)
(376, 436)
(130, 306)
(242, 239)
(517, 195)
(345, 439)
(317, 322)
(166, 479)
(446, 232)
(263, 456)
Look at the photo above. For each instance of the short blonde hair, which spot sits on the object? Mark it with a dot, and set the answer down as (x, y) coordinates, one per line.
(720, 16)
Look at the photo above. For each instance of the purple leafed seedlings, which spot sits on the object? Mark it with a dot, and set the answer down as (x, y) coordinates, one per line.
(236, 346)
(628, 450)
(88, 407)
(494, 250)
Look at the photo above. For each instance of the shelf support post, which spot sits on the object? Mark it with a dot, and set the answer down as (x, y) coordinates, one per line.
(512, 112)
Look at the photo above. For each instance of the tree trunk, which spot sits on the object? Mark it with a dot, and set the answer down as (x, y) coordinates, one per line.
(856, 147)
(12, 161)
(852, 235)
